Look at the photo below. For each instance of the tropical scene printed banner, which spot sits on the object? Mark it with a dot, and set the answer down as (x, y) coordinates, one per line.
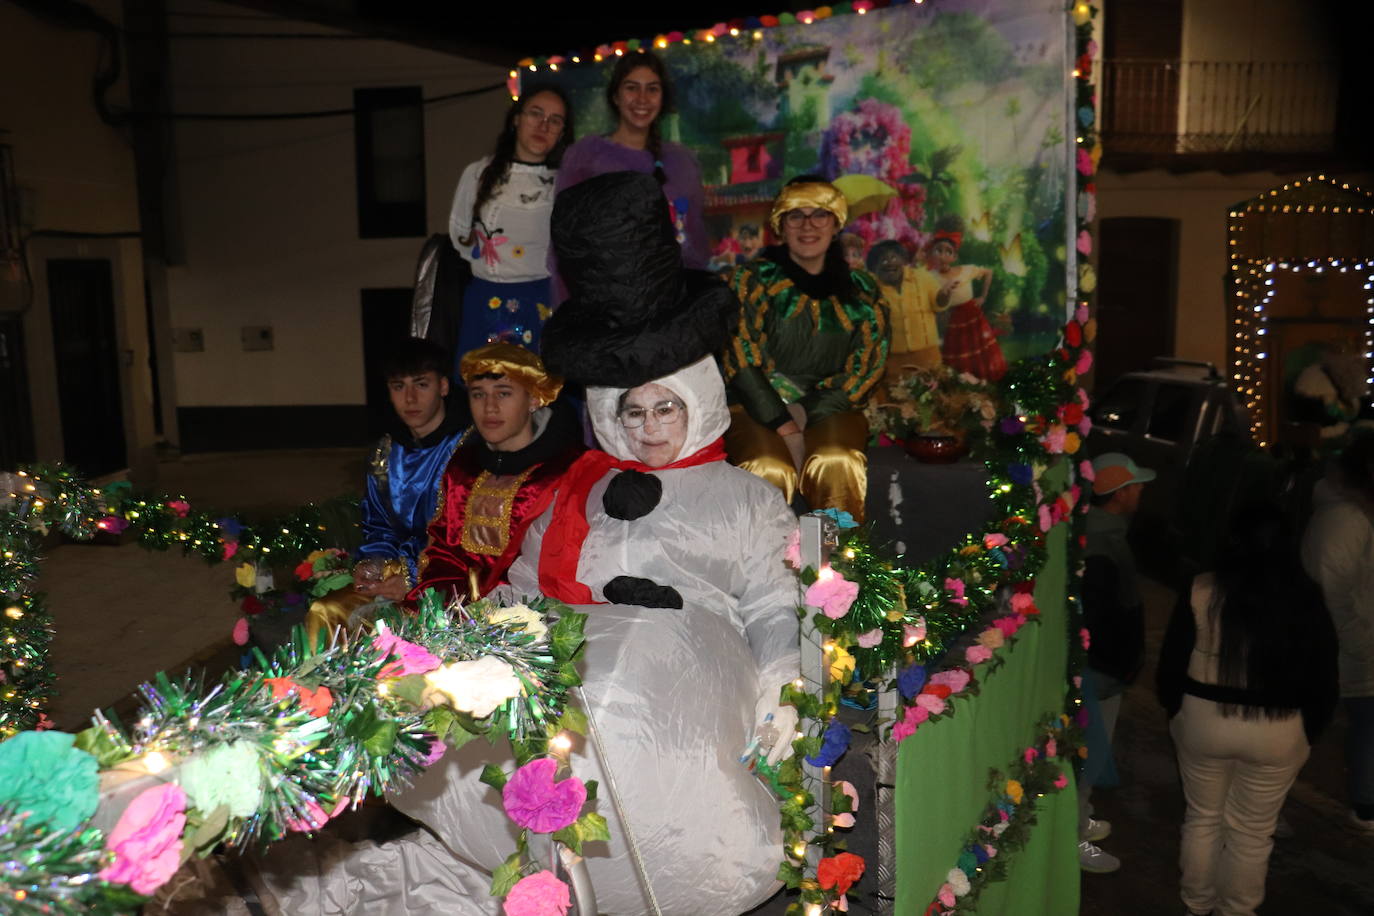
(941, 117)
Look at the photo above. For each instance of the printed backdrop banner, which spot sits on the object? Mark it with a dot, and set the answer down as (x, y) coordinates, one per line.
(949, 115)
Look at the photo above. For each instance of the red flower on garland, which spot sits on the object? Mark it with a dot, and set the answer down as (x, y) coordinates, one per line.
(940, 690)
(840, 872)
(251, 605)
(1072, 414)
(1073, 334)
(305, 570)
(1084, 64)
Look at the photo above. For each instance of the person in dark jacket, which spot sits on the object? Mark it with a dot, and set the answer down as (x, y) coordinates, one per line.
(1248, 676)
(1115, 618)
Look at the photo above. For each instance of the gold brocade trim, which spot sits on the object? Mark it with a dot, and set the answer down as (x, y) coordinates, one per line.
(486, 517)
(397, 566)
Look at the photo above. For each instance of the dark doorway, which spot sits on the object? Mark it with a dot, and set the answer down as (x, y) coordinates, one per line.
(386, 321)
(81, 298)
(1136, 295)
(16, 417)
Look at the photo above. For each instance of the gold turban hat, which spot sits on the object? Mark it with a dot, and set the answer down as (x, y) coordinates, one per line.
(515, 363)
(819, 194)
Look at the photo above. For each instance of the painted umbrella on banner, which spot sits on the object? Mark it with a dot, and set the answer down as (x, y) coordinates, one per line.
(864, 193)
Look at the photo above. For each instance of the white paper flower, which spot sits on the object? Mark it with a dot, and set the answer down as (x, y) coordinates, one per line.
(531, 620)
(958, 880)
(475, 687)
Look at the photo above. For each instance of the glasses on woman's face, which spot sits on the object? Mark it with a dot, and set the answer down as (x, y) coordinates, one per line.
(817, 218)
(539, 116)
(665, 412)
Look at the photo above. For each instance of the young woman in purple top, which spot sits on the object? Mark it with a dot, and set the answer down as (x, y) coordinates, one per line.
(640, 94)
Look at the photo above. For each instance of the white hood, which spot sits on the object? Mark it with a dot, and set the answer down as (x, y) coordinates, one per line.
(700, 388)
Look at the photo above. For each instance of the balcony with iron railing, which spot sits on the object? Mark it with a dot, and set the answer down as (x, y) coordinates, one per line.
(1174, 108)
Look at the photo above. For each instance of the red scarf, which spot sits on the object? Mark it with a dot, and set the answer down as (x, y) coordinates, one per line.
(562, 547)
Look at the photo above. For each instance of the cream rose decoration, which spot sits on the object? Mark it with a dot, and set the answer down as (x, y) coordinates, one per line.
(475, 687)
(529, 619)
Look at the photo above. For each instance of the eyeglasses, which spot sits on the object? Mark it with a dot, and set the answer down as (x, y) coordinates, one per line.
(818, 219)
(665, 412)
(536, 116)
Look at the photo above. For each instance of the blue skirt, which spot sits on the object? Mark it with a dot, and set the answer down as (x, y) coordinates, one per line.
(511, 312)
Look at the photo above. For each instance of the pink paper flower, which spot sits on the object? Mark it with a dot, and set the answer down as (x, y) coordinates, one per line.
(1051, 748)
(956, 588)
(792, 553)
(539, 894)
(179, 507)
(1086, 470)
(1009, 624)
(931, 703)
(832, 593)
(1085, 638)
(1021, 601)
(1085, 162)
(1085, 426)
(870, 639)
(1085, 362)
(977, 654)
(946, 895)
(437, 749)
(313, 818)
(230, 548)
(990, 850)
(410, 658)
(1085, 243)
(956, 679)
(912, 633)
(1029, 755)
(147, 840)
(845, 821)
(996, 539)
(1061, 781)
(1054, 438)
(1045, 518)
(911, 719)
(240, 633)
(1081, 314)
(535, 801)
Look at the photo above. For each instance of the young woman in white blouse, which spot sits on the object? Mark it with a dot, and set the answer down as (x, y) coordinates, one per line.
(500, 224)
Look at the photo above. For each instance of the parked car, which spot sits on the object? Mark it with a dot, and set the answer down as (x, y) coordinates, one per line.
(1164, 417)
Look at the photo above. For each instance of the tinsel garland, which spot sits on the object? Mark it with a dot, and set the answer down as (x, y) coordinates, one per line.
(375, 733)
(37, 499)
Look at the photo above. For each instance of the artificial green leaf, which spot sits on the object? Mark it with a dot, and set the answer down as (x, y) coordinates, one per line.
(789, 874)
(383, 738)
(97, 742)
(571, 837)
(593, 827)
(202, 834)
(573, 720)
(505, 876)
(567, 676)
(808, 575)
(591, 785)
(566, 636)
(410, 688)
(494, 776)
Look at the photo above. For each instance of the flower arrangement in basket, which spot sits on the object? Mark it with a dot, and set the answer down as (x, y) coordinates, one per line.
(321, 572)
(935, 402)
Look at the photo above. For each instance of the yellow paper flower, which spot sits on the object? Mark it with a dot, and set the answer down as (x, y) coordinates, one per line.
(841, 665)
(1082, 14)
(520, 616)
(544, 311)
(1071, 443)
(1014, 791)
(494, 302)
(1087, 278)
(246, 575)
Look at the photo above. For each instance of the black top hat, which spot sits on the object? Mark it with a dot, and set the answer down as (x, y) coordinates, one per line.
(634, 313)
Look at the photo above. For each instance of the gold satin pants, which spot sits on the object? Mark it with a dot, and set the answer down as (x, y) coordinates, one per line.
(330, 612)
(834, 472)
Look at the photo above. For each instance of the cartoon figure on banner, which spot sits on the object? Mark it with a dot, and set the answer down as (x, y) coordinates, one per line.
(917, 297)
(970, 344)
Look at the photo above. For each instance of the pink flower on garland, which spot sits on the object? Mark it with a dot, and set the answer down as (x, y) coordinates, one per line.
(1023, 603)
(931, 703)
(792, 553)
(946, 895)
(996, 539)
(410, 658)
(1085, 243)
(313, 818)
(539, 894)
(832, 593)
(147, 840)
(1030, 754)
(871, 638)
(846, 820)
(912, 633)
(1061, 781)
(180, 507)
(1085, 362)
(977, 654)
(1051, 748)
(230, 548)
(956, 679)
(1085, 638)
(535, 801)
(114, 524)
(1054, 438)
(1085, 162)
(911, 720)
(1046, 519)
(1009, 624)
(437, 749)
(956, 588)
(1081, 314)
(240, 633)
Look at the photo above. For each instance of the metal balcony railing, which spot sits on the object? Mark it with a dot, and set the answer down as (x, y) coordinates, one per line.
(1171, 106)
